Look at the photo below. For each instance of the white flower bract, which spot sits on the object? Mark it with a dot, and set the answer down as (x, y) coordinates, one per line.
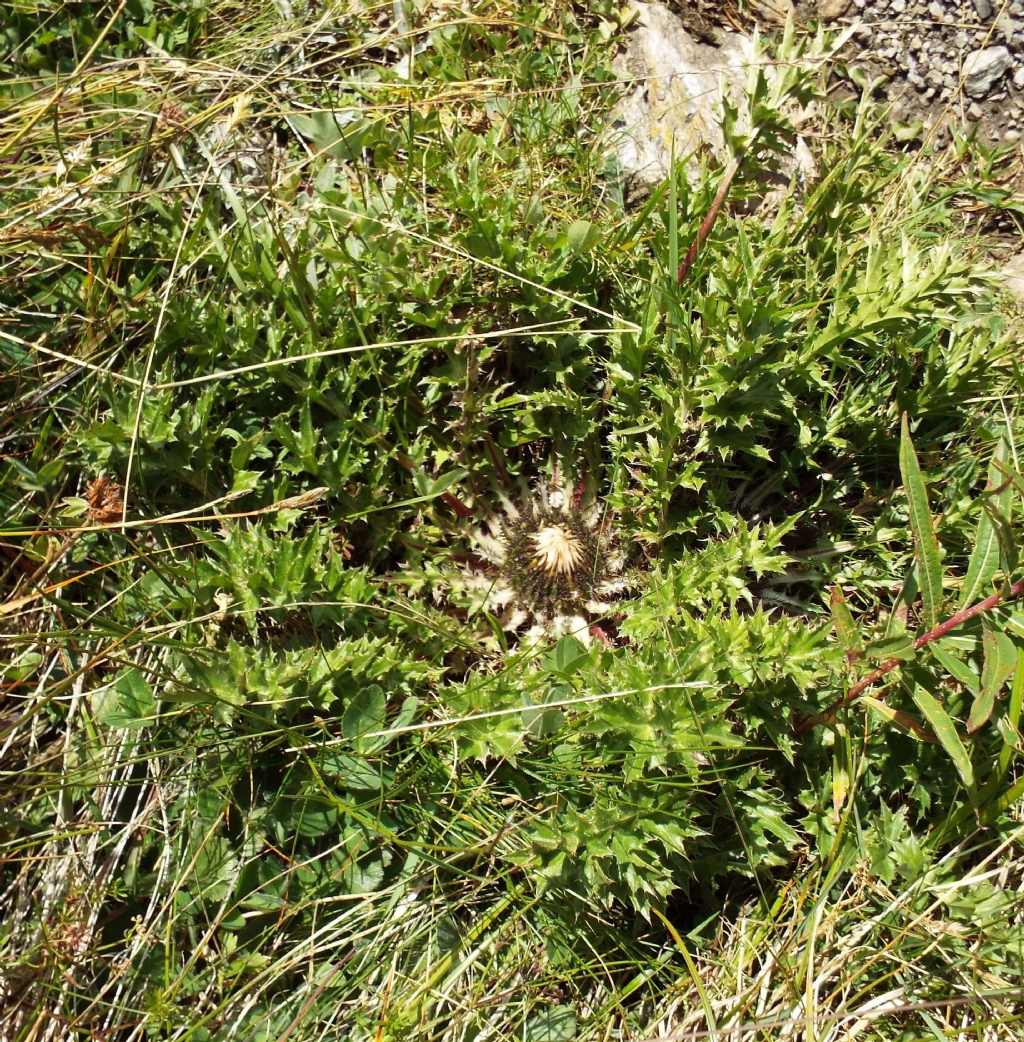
(545, 566)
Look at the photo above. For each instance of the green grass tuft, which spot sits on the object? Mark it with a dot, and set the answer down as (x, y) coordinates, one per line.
(313, 288)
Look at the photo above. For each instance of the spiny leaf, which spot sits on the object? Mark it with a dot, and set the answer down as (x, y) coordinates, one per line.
(925, 541)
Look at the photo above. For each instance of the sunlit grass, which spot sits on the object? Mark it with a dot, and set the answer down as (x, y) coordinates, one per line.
(263, 776)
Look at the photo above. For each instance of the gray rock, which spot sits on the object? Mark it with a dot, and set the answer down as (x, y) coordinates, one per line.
(774, 12)
(677, 93)
(984, 9)
(898, 6)
(937, 11)
(1018, 77)
(1013, 276)
(1008, 27)
(975, 111)
(1011, 136)
(983, 70)
(828, 10)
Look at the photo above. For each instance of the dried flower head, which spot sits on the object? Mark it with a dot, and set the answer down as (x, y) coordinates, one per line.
(171, 116)
(106, 505)
(547, 565)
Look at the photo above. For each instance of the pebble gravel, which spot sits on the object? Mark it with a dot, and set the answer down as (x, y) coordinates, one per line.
(944, 62)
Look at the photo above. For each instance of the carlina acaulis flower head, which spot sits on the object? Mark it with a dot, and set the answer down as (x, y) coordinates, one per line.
(548, 563)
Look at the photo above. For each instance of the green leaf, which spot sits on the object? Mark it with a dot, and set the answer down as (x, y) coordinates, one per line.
(313, 818)
(365, 712)
(845, 627)
(128, 705)
(1012, 721)
(430, 487)
(929, 566)
(405, 716)
(352, 772)
(945, 730)
(1000, 660)
(557, 1024)
(566, 656)
(985, 555)
(904, 721)
(901, 647)
(955, 666)
(581, 236)
(340, 133)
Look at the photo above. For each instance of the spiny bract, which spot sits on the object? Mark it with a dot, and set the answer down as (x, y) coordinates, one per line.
(550, 563)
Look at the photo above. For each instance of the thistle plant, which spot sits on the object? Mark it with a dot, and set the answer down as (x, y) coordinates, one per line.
(551, 563)
(256, 783)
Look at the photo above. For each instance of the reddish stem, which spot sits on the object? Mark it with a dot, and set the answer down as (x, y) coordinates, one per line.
(457, 506)
(990, 602)
(497, 460)
(578, 492)
(597, 631)
(454, 503)
(709, 220)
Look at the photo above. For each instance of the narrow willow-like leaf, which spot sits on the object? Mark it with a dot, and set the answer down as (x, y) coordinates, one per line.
(845, 627)
(999, 662)
(956, 667)
(945, 730)
(985, 555)
(1004, 536)
(929, 566)
(1008, 799)
(904, 721)
(896, 624)
(1012, 720)
(840, 770)
(691, 967)
(1011, 475)
(901, 647)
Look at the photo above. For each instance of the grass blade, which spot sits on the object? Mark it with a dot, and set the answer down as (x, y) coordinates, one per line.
(926, 544)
